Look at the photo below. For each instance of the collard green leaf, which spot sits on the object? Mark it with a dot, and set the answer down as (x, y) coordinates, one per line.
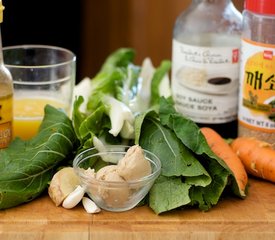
(178, 163)
(184, 154)
(26, 167)
(206, 197)
(168, 193)
(139, 121)
(186, 130)
(190, 135)
(176, 159)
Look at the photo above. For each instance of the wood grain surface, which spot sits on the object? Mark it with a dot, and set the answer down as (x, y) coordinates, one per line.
(233, 218)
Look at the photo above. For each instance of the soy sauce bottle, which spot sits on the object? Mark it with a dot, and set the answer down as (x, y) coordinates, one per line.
(205, 64)
(6, 97)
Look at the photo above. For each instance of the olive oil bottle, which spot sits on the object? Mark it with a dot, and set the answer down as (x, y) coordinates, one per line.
(6, 97)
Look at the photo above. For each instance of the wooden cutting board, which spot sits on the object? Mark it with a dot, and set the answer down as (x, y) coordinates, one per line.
(233, 218)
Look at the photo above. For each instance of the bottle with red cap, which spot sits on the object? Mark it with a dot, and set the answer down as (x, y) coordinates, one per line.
(256, 112)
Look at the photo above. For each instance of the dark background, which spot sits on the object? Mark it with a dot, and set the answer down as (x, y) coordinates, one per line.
(51, 22)
(92, 29)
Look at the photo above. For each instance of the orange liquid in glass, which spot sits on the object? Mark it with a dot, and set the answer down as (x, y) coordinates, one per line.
(28, 115)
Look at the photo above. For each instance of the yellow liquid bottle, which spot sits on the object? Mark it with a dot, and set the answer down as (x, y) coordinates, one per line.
(6, 97)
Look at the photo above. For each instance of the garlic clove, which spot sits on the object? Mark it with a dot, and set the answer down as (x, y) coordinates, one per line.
(90, 206)
(74, 197)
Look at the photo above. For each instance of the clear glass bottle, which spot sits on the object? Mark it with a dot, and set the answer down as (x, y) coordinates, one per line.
(257, 71)
(205, 64)
(6, 97)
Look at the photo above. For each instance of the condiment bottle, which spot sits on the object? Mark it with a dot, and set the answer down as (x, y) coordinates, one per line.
(6, 97)
(257, 71)
(205, 64)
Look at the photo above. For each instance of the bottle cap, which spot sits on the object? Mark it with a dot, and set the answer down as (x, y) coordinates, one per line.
(260, 6)
(1, 11)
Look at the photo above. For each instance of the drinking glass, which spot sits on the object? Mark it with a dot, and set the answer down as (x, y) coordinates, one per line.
(41, 75)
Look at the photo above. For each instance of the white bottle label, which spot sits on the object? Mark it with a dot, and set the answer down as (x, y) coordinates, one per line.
(257, 95)
(205, 82)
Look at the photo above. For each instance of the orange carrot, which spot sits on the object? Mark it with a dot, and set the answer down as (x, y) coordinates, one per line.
(223, 150)
(257, 156)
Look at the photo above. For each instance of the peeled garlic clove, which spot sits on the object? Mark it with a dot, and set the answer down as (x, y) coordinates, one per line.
(90, 206)
(74, 197)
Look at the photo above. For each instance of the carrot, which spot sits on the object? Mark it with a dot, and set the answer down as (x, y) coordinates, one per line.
(223, 150)
(257, 156)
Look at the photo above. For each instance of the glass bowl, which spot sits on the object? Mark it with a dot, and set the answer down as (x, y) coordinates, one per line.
(115, 196)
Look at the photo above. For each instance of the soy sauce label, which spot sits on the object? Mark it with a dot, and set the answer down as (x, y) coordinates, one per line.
(205, 82)
(257, 95)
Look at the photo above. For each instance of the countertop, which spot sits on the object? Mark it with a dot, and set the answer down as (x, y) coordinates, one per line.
(232, 218)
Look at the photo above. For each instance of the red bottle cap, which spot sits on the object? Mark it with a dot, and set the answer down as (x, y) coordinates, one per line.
(260, 6)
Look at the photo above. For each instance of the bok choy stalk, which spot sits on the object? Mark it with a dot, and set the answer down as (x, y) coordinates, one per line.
(121, 117)
(118, 93)
(141, 102)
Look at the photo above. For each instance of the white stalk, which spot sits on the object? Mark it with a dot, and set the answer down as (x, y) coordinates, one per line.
(119, 112)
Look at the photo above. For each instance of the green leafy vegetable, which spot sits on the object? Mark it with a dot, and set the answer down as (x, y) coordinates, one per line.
(167, 192)
(122, 57)
(117, 96)
(186, 158)
(130, 104)
(176, 159)
(26, 167)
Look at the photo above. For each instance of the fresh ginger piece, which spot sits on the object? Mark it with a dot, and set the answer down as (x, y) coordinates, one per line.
(62, 184)
(134, 165)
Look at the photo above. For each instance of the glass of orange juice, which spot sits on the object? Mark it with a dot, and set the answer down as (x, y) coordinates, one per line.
(41, 75)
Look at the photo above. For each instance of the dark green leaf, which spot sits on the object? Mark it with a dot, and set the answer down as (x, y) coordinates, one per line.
(168, 193)
(26, 167)
(176, 159)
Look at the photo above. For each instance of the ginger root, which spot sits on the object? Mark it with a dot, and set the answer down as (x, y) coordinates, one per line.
(62, 184)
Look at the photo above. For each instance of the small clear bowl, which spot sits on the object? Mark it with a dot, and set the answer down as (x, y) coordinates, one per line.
(110, 195)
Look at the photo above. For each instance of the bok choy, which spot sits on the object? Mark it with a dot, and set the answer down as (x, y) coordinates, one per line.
(119, 92)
